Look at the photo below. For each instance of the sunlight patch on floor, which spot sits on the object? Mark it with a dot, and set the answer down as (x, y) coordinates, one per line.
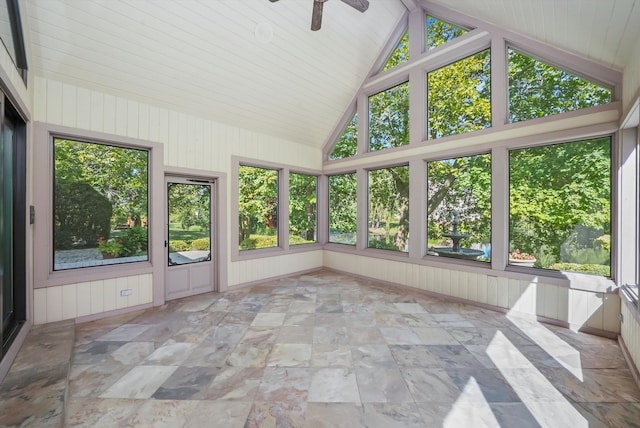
(566, 355)
(470, 409)
(542, 399)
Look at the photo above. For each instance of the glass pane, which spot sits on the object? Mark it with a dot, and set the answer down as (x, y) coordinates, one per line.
(560, 206)
(189, 223)
(537, 89)
(400, 54)
(459, 96)
(347, 146)
(389, 209)
(440, 32)
(6, 33)
(302, 208)
(343, 209)
(100, 204)
(389, 118)
(6, 227)
(459, 207)
(258, 210)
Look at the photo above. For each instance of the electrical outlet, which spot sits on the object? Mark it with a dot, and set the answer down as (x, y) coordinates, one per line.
(621, 318)
(127, 292)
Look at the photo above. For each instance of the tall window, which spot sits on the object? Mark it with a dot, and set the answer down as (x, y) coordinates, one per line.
(400, 54)
(302, 208)
(258, 207)
(440, 32)
(560, 206)
(389, 118)
(343, 208)
(100, 204)
(347, 146)
(459, 207)
(537, 89)
(389, 208)
(459, 96)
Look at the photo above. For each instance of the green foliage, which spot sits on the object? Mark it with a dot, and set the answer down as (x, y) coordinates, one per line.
(178, 245)
(258, 201)
(537, 89)
(560, 194)
(459, 96)
(202, 244)
(342, 203)
(347, 146)
(81, 215)
(440, 32)
(302, 206)
(389, 118)
(596, 269)
(189, 205)
(119, 174)
(389, 201)
(259, 241)
(461, 185)
(134, 241)
(400, 54)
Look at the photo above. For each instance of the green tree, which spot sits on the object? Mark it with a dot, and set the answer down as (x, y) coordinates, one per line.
(118, 173)
(258, 201)
(302, 206)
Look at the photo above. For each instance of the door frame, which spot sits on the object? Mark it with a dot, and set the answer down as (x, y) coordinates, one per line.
(214, 183)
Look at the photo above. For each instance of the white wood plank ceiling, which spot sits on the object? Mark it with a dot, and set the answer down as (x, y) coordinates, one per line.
(210, 58)
(605, 31)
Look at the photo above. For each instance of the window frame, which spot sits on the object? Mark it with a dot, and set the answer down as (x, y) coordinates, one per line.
(358, 210)
(283, 247)
(44, 275)
(463, 154)
(317, 195)
(55, 140)
(368, 206)
(613, 165)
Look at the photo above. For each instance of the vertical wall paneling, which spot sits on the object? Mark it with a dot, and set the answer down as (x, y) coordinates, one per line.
(83, 302)
(69, 301)
(84, 108)
(109, 114)
(97, 111)
(69, 105)
(630, 332)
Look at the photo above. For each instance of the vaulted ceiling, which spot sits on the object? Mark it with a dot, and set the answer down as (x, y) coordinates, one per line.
(256, 64)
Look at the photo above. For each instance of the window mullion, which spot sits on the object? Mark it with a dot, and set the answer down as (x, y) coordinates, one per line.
(500, 208)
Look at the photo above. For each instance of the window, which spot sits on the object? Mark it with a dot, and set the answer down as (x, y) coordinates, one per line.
(389, 208)
(459, 207)
(100, 204)
(12, 35)
(347, 146)
(342, 208)
(302, 208)
(459, 96)
(258, 207)
(389, 118)
(400, 54)
(560, 206)
(537, 89)
(440, 32)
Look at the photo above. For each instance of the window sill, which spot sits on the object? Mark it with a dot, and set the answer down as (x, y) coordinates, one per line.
(96, 273)
(273, 252)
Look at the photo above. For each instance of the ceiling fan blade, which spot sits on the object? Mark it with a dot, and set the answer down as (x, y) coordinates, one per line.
(360, 5)
(273, 1)
(316, 17)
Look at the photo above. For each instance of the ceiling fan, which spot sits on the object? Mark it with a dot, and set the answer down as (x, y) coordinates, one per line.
(316, 17)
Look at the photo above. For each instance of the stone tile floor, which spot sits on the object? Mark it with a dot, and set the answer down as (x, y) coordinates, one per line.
(318, 350)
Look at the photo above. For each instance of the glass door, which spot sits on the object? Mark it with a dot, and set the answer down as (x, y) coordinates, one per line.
(190, 257)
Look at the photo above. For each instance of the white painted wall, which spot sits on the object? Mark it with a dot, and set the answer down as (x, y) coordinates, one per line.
(189, 142)
(630, 332)
(579, 308)
(631, 80)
